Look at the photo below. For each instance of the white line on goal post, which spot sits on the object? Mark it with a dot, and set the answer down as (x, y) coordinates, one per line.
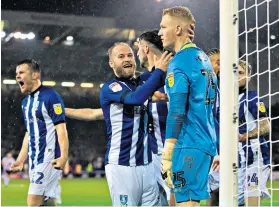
(229, 99)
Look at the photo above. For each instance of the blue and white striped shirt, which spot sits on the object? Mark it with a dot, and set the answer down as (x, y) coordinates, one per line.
(157, 117)
(125, 111)
(42, 110)
(252, 108)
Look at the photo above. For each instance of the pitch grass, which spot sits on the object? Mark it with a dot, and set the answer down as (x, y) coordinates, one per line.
(82, 192)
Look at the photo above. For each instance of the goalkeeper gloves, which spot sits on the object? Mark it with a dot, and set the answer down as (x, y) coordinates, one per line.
(167, 164)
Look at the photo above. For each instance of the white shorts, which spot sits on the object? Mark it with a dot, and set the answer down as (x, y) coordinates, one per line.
(254, 189)
(254, 185)
(213, 180)
(44, 180)
(157, 161)
(132, 186)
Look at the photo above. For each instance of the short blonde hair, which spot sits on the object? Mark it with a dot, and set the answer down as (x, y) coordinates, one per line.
(114, 45)
(245, 64)
(180, 11)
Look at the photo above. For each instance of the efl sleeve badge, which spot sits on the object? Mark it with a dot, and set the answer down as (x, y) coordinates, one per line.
(170, 78)
(261, 107)
(57, 108)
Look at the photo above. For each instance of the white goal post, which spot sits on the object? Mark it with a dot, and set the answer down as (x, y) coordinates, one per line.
(228, 101)
(249, 32)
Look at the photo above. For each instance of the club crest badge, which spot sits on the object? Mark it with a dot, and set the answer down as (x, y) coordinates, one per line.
(123, 200)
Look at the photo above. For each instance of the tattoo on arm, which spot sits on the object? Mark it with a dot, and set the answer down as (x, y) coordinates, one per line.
(263, 130)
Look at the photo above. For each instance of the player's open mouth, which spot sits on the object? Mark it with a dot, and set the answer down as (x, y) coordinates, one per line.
(21, 83)
(127, 65)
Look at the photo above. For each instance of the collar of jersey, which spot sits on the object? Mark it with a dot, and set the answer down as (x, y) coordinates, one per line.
(127, 80)
(32, 93)
(242, 90)
(187, 45)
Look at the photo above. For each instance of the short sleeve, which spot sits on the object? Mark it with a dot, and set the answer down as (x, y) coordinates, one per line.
(177, 82)
(56, 108)
(256, 106)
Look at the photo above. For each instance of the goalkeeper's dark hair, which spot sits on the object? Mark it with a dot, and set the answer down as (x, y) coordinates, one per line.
(32, 64)
(153, 38)
(213, 51)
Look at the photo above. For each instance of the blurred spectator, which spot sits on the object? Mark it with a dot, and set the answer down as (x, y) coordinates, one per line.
(89, 170)
(7, 162)
(78, 170)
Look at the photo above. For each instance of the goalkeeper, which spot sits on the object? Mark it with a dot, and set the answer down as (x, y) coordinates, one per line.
(190, 135)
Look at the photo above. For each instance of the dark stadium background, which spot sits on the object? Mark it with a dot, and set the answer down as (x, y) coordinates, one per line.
(95, 25)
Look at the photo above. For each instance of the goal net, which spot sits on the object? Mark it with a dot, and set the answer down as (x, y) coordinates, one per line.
(249, 108)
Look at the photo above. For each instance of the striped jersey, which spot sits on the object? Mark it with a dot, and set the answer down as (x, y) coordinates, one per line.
(157, 118)
(42, 110)
(251, 108)
(126, 125)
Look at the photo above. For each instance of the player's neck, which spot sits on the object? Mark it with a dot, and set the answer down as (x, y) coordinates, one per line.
(150, 63)
(150, 67)
(150, 57)
(36, 85)
(180, 42)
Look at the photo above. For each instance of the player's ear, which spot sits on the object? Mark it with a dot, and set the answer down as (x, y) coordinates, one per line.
(111, 64)
(146, 49)
(35, 75)
(178, 29)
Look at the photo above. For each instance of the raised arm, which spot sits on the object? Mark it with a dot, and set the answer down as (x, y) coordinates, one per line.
(85, 114)
(142, 93)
